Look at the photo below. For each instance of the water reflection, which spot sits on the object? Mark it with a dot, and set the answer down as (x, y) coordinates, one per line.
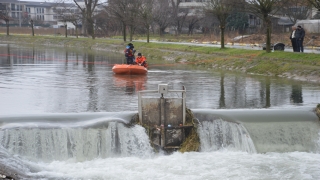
(267, 92)
(222, 103)
(10, 60)
(41, 79)
(296, 94)
(130, 83)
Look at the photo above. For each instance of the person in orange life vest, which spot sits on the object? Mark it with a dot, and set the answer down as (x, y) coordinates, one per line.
(141, 60)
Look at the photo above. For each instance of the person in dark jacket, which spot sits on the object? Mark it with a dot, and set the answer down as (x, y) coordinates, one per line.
(129, 53)
(294, 39)
(300, 36)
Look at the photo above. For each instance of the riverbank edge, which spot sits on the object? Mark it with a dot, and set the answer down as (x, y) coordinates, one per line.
(255, 62)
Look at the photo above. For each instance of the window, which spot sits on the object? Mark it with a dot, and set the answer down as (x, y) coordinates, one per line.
(40, 10)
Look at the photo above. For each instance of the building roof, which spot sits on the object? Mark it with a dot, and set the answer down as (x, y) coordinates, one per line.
(10, 1)
(285, 21)
(38, 4)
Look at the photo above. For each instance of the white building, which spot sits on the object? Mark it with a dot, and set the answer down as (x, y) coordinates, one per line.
(45, 13)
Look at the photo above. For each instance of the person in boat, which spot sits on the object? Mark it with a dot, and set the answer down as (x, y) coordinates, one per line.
(141, 60)
(129, 53)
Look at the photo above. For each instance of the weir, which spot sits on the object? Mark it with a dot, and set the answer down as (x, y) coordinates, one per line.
(164, 116)
(80, 136)
(86, 136)
(271, 130)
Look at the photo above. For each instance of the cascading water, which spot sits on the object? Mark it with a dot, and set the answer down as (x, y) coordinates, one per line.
(218, 134)
(80, 144)
(103, 146)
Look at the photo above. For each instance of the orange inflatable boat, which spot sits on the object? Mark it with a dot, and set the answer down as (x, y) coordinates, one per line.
(129, 69)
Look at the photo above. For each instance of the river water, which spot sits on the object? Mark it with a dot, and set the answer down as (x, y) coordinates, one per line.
(63, 114)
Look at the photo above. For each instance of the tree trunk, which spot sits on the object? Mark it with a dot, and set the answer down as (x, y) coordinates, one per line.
(124, 33)
(268, 40)
(66, 30)
(222, 37)
(77, 31)
(32, 28)
(90, 29)
(131, 33)
(148, 35)
(7, 24)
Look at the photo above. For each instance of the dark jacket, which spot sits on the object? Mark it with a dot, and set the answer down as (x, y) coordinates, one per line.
(300, 33)
(128, 52)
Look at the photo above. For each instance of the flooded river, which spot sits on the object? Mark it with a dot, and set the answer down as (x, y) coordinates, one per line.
(40, 80)
(63, 115)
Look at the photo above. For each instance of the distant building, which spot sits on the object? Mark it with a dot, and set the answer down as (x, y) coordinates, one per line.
(42, 13)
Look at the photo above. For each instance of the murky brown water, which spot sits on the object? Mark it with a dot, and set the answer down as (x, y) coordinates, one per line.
(40, 80)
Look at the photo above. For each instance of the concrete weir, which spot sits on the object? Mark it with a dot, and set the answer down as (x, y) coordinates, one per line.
(271, 130)
(163, 111)
(164, 114)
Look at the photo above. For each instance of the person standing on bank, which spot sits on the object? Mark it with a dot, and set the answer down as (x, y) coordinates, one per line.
(300, 36)
(294, 39)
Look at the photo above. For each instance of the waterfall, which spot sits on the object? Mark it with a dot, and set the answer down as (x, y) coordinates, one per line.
(270, 130)
(80, 144)
(218, 134)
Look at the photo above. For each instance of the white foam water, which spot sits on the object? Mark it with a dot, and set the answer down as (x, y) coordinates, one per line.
(80, 144)
(222, 164)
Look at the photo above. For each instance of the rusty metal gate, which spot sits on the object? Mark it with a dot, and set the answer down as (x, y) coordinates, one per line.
(163, 111)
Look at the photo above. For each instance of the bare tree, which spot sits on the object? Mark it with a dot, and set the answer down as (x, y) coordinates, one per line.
(263, 9)
(119, 9)
(88, 12)
(145, 14)
(68, 13)
(4, 14)
(107, 24)
(221, 10)
(297, 9)
(193, 20)
(315, 3)
(32, 27)
(133, 10)
(161, 15)
(179, 15)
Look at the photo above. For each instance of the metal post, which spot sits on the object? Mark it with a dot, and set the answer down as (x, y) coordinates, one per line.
(140, 107)
(162, 122)
(183, 106)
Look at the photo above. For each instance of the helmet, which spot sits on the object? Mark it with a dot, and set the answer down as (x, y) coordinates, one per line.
(139, 54)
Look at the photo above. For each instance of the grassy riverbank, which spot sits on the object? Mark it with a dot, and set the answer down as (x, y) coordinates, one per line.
(301, 66)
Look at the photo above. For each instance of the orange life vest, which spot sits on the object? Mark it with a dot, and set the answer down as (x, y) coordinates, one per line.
(140, 59)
